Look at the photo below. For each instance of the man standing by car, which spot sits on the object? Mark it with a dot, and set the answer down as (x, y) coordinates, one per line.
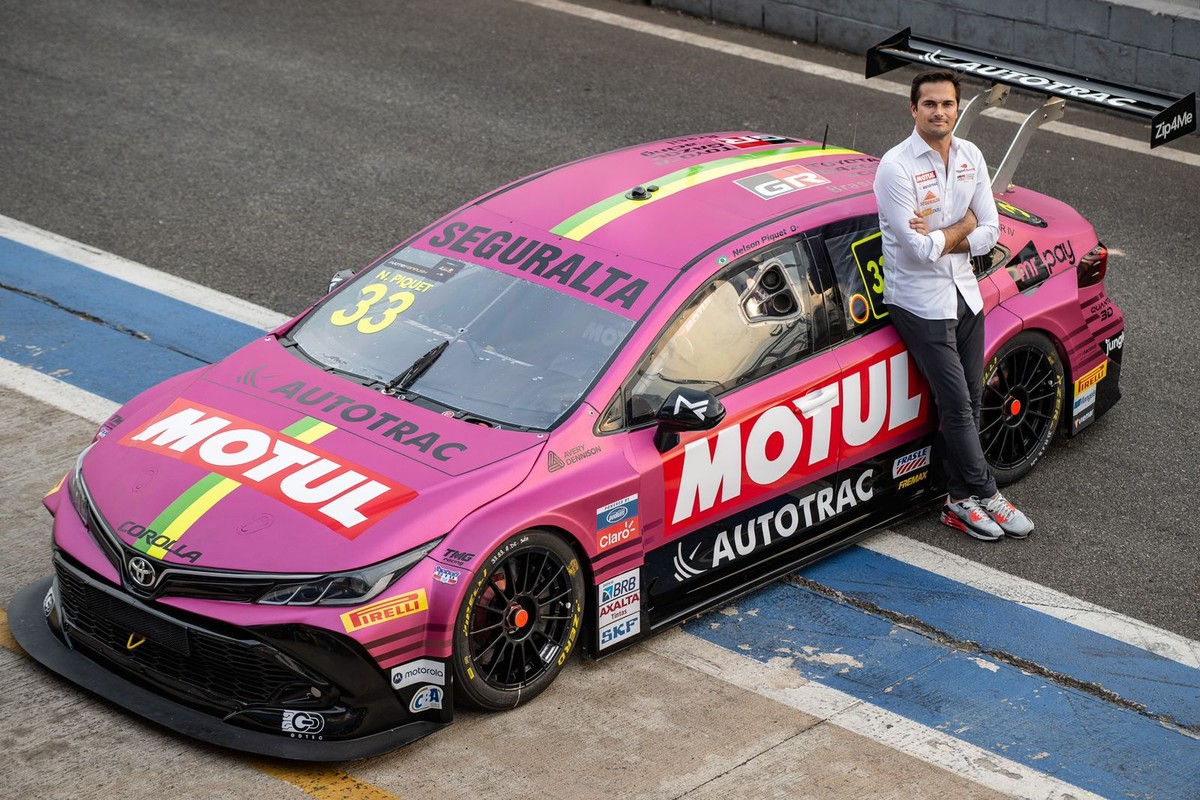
(936, 211)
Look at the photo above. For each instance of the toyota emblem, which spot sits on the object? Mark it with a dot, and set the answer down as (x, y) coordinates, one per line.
(141, 572)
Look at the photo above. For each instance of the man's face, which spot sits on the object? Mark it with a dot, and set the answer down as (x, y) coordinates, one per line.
(936, 110)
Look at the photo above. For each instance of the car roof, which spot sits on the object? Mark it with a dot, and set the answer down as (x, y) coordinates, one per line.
(699, 191)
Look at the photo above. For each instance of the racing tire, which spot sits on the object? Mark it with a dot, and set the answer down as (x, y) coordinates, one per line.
(1021, 405)
(518, 622)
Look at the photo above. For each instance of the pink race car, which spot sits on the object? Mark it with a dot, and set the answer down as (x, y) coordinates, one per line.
(569, 414)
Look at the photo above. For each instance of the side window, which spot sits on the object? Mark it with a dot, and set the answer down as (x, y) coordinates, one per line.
(752, 319)
(855, 249)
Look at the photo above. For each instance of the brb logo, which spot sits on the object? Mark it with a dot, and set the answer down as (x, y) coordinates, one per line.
(786, 180)
(777, 447)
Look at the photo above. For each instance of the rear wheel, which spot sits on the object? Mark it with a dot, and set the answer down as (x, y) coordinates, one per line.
(518, 622)
(1022, 404)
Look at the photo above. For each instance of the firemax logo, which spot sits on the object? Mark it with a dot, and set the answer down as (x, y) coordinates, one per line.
(347, 499)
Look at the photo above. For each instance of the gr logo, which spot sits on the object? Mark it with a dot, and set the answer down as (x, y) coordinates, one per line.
(786, 180)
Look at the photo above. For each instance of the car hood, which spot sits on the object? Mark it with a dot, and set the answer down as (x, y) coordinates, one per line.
(263, 462)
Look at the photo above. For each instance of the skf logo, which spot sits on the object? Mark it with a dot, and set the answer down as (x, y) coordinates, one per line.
(346, 498)
(1091, 378)
(781, 181)
(385, 610)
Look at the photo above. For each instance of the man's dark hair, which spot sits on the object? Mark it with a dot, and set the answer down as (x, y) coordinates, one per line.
(935, 76)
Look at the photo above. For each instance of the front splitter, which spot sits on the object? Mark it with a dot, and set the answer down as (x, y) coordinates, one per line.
(27, 621)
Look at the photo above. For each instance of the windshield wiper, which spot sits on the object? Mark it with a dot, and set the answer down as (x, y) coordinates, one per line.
(405, 379)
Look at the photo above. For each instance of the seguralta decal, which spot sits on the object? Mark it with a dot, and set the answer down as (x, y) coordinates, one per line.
(798, 435)
(346, 498)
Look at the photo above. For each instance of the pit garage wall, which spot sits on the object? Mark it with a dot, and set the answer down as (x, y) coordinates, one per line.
(1150, 44)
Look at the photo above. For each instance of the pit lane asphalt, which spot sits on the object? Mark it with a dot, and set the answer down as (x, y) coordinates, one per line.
(257, 153)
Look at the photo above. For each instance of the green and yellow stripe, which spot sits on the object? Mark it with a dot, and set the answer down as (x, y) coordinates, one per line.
(605, 211)
(179, 516)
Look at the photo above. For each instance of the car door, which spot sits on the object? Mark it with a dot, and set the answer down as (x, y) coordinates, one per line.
(745, 492)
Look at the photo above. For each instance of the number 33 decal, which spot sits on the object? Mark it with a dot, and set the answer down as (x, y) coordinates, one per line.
(369, 296)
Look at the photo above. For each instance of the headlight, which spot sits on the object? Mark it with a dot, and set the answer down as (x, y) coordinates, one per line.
(79, 498)
(347, 588)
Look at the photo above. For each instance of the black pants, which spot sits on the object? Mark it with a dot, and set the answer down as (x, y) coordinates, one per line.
(949, 353)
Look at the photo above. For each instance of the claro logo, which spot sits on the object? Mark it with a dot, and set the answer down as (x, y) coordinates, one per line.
(346, 498)
(784, 443)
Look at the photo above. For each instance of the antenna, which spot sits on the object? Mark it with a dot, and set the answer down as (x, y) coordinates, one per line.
(825, 138)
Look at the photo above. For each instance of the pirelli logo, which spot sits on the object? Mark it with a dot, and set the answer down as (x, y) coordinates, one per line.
(1091, 378)
(385, 610)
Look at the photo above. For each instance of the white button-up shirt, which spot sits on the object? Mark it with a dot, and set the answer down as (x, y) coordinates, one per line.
(912, 179)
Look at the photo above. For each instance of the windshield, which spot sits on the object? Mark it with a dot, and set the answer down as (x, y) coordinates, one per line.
(514, 352)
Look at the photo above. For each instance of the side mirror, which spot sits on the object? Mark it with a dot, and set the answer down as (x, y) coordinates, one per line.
(340, 277)
(685, 410)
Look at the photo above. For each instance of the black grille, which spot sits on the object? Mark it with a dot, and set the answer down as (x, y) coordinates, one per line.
(210, 669)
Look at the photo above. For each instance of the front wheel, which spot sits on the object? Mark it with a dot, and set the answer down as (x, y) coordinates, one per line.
(1022, 404)
(519, 621)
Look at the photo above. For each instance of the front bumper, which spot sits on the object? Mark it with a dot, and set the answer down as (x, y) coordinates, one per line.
(80, 633)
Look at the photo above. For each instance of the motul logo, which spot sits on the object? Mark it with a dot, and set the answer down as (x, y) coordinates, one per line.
(346, 498)
(788, 441)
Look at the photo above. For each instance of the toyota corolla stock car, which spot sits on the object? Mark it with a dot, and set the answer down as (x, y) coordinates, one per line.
(569, 414)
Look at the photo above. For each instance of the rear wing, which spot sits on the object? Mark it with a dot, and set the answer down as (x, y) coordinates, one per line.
(1170, 118)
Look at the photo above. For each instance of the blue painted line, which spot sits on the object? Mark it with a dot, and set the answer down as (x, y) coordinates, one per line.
(98, 357)
(1163, 686)
(1068, 734)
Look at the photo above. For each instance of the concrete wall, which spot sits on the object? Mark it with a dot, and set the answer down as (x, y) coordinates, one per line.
(1148, 44)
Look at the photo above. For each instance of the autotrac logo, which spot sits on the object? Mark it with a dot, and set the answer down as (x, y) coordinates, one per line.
(388, 426)
(347, 499)
(546, 261)
(704, 551)
(1002, 73)
(759, 454)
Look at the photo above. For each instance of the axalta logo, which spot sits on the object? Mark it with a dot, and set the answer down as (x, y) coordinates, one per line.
(346, 498)
(878, 401)
(385, 610)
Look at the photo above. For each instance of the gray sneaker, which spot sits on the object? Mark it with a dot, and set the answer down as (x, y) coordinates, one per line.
(1010, 520)
(971, 518)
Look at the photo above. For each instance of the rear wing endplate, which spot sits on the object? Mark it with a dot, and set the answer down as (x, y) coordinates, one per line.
(1170, 118)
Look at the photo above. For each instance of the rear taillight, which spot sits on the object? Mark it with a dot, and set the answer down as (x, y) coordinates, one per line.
(1093, 266)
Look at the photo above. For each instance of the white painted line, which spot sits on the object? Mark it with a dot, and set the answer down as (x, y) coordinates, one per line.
(55, 393)
(789, 687)
(114, 266)
(845, 76)
(1039, 598)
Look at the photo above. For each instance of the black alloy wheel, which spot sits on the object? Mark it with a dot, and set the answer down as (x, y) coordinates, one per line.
(519, 621)
(1021, 406)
